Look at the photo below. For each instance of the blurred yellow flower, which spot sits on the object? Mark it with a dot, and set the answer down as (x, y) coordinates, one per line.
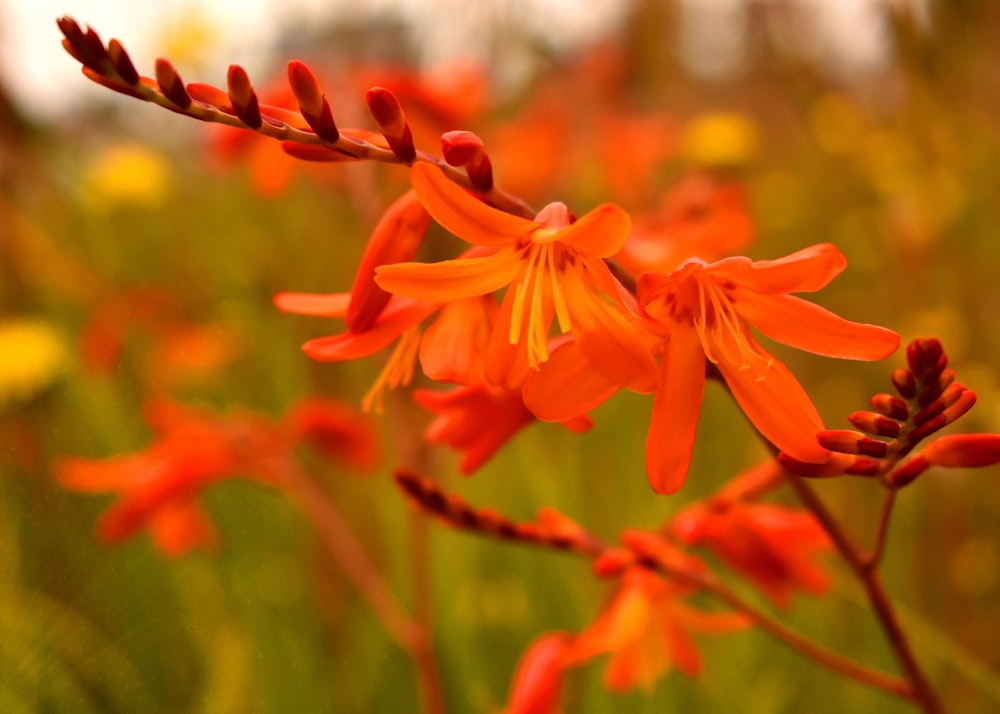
(125, 174)
(837, 123)
(32, 357)
(719, 140)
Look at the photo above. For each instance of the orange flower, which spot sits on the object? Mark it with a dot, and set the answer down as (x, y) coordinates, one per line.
(770, 545)
(703, 312)
(451, 349)
(478, 419)
(553, 268)
(647, 631)
(158, 487)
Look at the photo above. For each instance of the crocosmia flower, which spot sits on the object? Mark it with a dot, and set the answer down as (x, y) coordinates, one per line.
(704, 311)
(552, 268)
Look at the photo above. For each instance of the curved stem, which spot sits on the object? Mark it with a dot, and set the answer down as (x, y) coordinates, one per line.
(923, 693)
(881, 534)
(346, 550)
(830, 660)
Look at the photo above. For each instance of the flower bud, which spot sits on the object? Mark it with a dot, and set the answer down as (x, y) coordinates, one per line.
(171, 85)
(875, 424)
(964, 450)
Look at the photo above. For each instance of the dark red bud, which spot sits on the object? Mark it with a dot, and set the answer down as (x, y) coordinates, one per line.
(906, 473)
(905, 383)
(171, 85)
(242, 97)
(122, 62)
(875, 424)
(890, 406)
(313, 105)
(388, 114)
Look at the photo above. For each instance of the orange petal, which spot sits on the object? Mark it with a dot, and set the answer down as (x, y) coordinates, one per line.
(600, 233)
(610, 342)
(395, 239)
(352, 345)
(453, 346)
(778, 407)
(450, 279)
(462, 213)
(566, 386)
(676, 406)
(801, 324)
(320, 305)
(806, 270)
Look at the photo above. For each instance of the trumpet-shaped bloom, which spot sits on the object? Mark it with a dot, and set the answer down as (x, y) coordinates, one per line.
(158, 487)
(772, 546)
(647, 630)
(704, 312)
(553, 269)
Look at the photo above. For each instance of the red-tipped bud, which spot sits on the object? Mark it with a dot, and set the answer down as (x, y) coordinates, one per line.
(851, 442)
(926, 358)
(964, 451)
(85, 47)
(906, 473)
(395, 240)
(965, 401)
(171, 85)
(388, 114)
(875, 424)
(905, 383)
(865, 466)
(837, 465)
(312, 104)
(122, 62)
(890, 406)
(612, 563)
(843, 440)
(946, 398)
(463, 148)
(652, 547)
(242, 97)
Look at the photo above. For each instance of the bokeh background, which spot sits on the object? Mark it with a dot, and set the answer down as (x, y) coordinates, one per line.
(139, 252)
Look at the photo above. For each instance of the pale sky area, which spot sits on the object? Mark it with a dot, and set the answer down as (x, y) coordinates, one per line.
(42, 77)
(849, 34)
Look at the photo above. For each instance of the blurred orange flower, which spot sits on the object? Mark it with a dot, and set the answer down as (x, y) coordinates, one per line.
(647, 629)
(158, 487)
(772, 546)
(478, 419)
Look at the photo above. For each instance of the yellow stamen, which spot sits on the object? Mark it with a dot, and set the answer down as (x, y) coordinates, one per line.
(398, 370)
(720, 327)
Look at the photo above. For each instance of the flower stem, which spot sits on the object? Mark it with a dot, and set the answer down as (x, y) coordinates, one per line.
(864, 568)
(830, 660)
(346, 550)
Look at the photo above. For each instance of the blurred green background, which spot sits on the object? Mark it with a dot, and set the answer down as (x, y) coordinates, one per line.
(119, 215)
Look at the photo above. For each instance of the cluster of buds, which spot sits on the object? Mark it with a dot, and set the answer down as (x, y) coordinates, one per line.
(309, 133)
(927, 399)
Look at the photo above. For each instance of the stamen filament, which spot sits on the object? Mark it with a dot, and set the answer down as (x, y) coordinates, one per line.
(398, 370)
